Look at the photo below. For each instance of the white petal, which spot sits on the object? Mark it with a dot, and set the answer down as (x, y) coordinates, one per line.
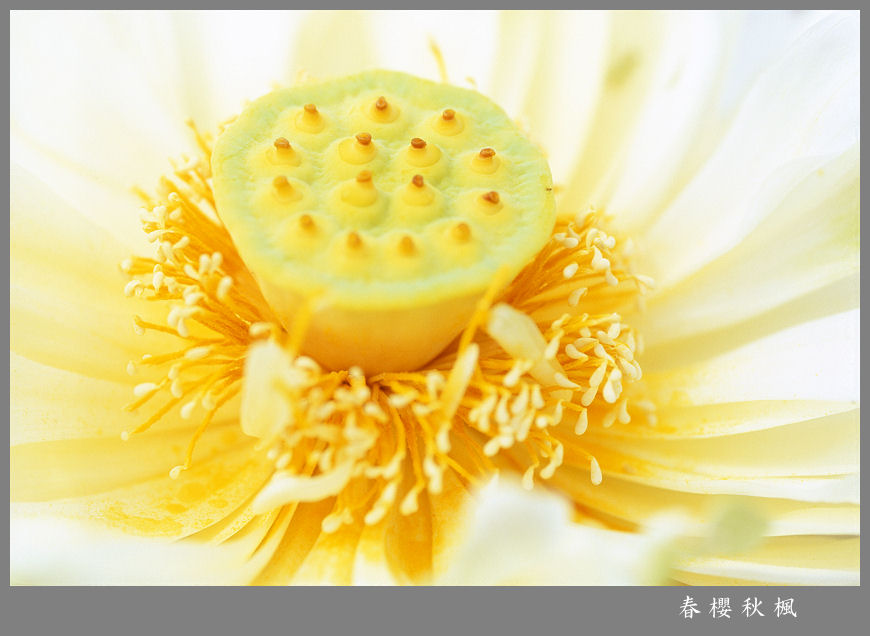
(817, 360)
(517, 538)
(785, 123)
(402, 42)
(45, 471)
(333, 43)
(785, 561)
(265, 409)
(93, 105)
(547, 71)
(212, 488)
(822, 446)
(637, 502)
(634, 51)
(806, 242)
(59, 552)
(708, 65)
(68, 309)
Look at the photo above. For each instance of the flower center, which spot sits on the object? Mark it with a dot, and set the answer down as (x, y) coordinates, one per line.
(541, 355)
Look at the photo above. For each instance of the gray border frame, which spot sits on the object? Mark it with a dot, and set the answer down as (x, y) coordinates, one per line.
(563, 610)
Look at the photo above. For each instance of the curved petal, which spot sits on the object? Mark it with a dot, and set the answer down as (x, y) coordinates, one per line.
(706, 69)
(802, 111)
(815, 460)
(93, 123)
(44, 471)
(625, 503)
(816, 360)
(809, 560)
(808, 241)
(161, 506)
(547, 58)
(68, 308)
(59, 552)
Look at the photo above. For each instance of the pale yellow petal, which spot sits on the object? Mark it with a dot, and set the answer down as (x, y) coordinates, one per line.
(817, 360)
(628, 504)
(807, 241)
(816, 447)
(47, 551)
(813, 560)
(68, 308)
(332, 43)
(203, 495)
(801, 112)
(44, 471)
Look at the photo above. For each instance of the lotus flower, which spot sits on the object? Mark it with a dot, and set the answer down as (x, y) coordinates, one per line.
(697, 350)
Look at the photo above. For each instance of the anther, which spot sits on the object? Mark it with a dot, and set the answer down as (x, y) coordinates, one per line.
(491, 197)
(448, 114)
(487, 153)
(461, 232)
(281, 182)
(381, 103)
(364, 139)
(365, 176)
(306, 222)
(310, 108)
(418, 143)
(418, 180)
(282, 144)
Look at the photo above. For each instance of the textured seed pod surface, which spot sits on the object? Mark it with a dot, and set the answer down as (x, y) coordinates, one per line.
(380, 193)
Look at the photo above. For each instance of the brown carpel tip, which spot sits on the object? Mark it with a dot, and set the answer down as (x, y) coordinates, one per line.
(487, 153)
(406, 245)
(418, 143)
(364, 176)
(448, 114)
(491, 196)
(461, 232)
(354, 241)
(310, 108)
(281, 143)
(281, 182)
(418, 180)
(381, 103)
(364, 139)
